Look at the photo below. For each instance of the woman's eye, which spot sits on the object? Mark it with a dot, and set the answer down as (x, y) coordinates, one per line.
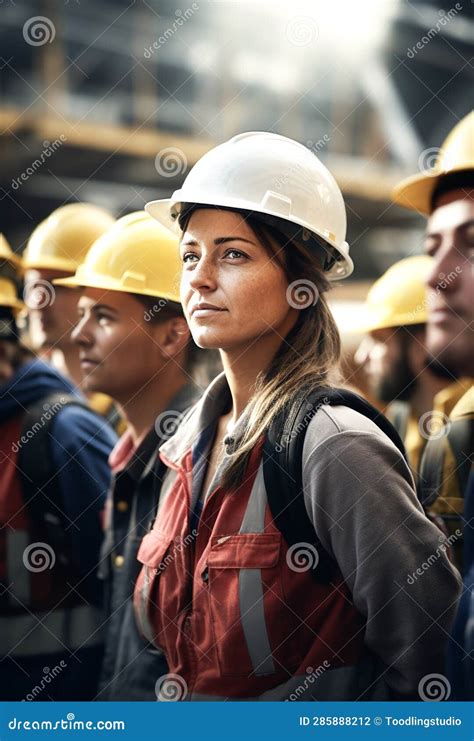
(188, 255)
(235, 253)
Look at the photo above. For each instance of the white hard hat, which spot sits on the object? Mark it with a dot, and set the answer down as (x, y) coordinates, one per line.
(268, 174)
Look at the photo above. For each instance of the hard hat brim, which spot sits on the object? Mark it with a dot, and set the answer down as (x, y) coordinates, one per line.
(15, 304)
(104, 284)
(53, 263)
(416, 191)
(407, 321)
(7, 256)
(160, 210)
(13, 260)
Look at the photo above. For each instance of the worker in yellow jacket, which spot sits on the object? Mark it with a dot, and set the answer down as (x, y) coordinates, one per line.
(393, 352)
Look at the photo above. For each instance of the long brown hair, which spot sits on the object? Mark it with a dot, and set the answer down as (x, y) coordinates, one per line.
(309, 355)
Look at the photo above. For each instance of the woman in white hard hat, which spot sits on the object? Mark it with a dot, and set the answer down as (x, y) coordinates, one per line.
(282, 562)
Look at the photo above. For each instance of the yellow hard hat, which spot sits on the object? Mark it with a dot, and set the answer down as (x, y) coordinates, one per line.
(8, 297)
(398, 298)
(62, 240)
(456, 154)
(7, 255)
(136, 255)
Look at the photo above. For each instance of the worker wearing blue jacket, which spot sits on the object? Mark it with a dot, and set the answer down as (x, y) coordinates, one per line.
(54, 477)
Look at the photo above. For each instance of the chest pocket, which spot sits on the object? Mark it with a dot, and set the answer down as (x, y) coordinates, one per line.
(245, 599)
(155, 553)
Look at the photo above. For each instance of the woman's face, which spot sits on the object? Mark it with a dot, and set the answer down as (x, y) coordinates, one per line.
(228, 270)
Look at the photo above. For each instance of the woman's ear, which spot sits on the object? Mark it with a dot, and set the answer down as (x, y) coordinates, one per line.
(173, 336)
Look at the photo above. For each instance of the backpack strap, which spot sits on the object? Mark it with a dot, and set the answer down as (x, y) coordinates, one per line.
(460, 438)
(398, 413)
(40, 486)
(283, 470)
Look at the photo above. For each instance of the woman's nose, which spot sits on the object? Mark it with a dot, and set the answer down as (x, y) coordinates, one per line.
(203, 275)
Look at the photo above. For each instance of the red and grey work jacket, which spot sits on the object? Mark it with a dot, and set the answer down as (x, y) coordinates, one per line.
(234, 615)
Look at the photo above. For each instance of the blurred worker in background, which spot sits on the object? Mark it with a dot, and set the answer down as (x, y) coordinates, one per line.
(54, 250)
(446, 196)
(10, 306)
(134, 344)
(10, 264)
(10, 269)
(54, 476)
(393, 354)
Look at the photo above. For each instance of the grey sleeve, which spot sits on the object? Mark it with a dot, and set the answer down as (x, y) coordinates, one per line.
(359, 495)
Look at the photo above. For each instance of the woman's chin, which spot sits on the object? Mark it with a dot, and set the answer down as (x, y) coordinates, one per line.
(207, 340)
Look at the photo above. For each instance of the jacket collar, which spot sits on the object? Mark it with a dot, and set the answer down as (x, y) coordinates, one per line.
(446, 399)
(127, 457)
(139, 461)
(202, 417)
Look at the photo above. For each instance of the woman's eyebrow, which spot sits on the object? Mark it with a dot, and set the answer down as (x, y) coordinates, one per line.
(217, 241)
(223, 240)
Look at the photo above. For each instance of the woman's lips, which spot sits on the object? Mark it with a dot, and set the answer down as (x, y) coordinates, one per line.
(206, 312)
